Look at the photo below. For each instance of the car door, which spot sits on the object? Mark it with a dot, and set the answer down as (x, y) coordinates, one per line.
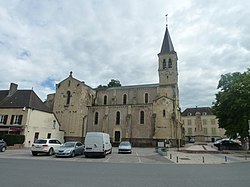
(55, 144)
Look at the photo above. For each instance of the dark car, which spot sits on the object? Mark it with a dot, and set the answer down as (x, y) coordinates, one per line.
(3, 146)
(228, 145)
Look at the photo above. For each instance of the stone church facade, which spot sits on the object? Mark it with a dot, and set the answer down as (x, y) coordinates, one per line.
(142, 114)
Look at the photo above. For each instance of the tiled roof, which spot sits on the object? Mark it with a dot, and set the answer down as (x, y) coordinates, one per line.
(20, 99)
(201, 110)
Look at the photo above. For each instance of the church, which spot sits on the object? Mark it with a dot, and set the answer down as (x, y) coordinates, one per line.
(143, 114)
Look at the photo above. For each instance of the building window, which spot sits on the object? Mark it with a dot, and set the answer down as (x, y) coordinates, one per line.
(142, 117)
(190, 131)
(204, 113)
(125, 99)
(3, 119)
(170, 63)
(189, 114)
(213, 131)
(16, 119)
(164, 64)
(36, 136)
(96, 118)
(212, 121)
(49, 135)
(204, 121)
(189, 122)
(146, 97)
(118, 115)
(205, 131)
(105, 99)
(68, 98)
(164, 113)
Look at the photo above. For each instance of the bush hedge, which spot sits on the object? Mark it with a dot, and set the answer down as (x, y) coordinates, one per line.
(12, 139)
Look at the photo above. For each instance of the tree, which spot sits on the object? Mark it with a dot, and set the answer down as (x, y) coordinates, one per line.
(114, 83)
(232, 103)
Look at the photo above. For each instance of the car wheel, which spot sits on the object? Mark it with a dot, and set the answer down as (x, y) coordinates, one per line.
(34, 153)
(73, 154)
(51, 152)
(3, 149)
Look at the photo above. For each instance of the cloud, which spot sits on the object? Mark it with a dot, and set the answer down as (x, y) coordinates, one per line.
(42, 41)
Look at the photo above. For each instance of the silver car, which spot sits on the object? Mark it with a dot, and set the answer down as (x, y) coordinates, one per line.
(125, 147)
(70, 149)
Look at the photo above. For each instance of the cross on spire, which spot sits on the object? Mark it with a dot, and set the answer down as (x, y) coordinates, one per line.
(166, 19)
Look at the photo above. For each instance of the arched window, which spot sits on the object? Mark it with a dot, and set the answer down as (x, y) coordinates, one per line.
(124, 99)
(164, 113)
(118, 116)
(146, 98)
(164, 64)
(170, 63)
(68, 98)
(142, 117)
(96, 118)
(105, 99)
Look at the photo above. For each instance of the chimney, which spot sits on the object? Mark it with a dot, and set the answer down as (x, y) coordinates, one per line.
(13, 89)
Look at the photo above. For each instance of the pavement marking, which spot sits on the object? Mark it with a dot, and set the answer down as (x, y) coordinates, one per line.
(107, 160)
(138, 157)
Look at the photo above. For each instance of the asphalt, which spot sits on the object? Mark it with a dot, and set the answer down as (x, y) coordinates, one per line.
(205, 154)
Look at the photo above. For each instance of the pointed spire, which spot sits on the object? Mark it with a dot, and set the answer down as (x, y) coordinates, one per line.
(167, 45)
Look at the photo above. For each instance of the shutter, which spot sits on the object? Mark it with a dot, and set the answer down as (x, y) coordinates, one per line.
(20, 119)
(5, 119)
(12, 119)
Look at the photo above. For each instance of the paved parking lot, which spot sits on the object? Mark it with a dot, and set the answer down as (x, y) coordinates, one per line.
(139, 155)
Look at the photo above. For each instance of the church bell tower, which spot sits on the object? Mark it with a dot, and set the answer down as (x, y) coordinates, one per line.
(167, 58)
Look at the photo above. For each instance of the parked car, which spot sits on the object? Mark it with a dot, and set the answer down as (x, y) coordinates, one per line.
(48, 146)
(228, 145)
(70, 149)
(3, 146)
(125, 147)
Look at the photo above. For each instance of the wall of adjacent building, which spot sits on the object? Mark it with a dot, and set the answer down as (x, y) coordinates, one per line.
(43, 123)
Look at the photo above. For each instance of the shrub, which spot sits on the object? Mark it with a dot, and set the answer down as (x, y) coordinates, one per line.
(12, 139)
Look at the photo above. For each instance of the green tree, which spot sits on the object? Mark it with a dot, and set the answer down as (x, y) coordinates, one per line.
(114, 83)
(232, 103)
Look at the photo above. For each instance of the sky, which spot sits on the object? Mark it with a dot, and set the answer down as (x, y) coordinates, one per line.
(41, 41)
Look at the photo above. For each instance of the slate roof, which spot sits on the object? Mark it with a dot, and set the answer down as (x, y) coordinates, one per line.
(167, 45)
(192, 111)
(21, 99)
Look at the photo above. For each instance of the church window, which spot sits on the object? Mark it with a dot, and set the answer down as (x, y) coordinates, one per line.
(96, 118)
(118, 116)
(69, 83)
(164, 64)
(142, 117)
(146, 97)
(68, 98)
(170, 63)
(125, 99)
(105, 98)
(164, 113)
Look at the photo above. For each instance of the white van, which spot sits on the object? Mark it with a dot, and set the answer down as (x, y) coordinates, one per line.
(97, 144)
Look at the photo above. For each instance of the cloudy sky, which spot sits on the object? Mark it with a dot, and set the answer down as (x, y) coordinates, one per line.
(41, 41)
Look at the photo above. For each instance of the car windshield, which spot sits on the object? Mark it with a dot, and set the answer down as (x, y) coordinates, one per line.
(68, 144)
(40, 141)
(125, 143)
